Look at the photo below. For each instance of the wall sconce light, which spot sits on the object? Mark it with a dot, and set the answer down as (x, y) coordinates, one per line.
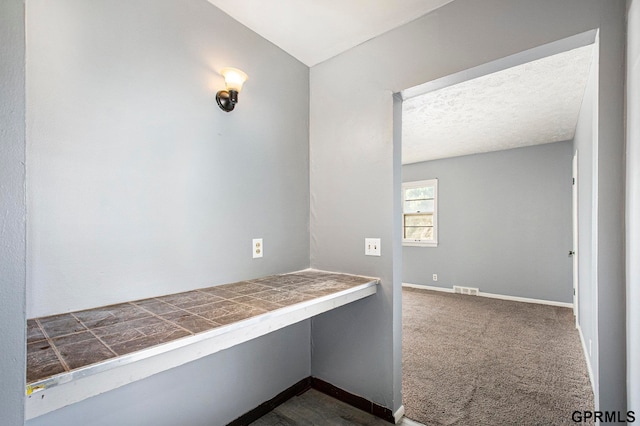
(233, 79)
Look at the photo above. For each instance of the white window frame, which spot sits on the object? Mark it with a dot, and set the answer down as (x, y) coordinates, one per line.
(418, 184)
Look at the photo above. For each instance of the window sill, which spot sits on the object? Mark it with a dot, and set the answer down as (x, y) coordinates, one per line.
(418, 244)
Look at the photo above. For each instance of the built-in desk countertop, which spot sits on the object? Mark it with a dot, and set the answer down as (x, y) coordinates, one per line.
(74, 356)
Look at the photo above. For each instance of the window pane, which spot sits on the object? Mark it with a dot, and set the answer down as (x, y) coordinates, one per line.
(418, 232)
(419, 193)
(418, 206)
(418, 220)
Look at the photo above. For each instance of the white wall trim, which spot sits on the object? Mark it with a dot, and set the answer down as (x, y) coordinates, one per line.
(495, 296)
(586, 358)
(408, 422)
(527, 300)
(398, 415)
(428, 287)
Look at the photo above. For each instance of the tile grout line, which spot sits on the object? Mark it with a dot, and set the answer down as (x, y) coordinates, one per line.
(210, 320)
(203, 317)
(258, 307)
(187, 311)
(53, 346)
(164, 319)
(95, 335)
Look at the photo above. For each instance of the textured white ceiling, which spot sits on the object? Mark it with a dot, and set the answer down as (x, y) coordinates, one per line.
(313, 31)
(534, 103)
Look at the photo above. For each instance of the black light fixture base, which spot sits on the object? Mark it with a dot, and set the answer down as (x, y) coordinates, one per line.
(227, 100)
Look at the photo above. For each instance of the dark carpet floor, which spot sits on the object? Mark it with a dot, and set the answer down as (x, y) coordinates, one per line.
(470, 360)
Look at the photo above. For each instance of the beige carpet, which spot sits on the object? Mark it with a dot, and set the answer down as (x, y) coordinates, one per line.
(470, 360)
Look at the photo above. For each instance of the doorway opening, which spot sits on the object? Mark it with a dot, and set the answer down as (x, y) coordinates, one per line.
(499, 140)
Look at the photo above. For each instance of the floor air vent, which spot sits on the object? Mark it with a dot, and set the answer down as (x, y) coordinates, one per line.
(466, 290)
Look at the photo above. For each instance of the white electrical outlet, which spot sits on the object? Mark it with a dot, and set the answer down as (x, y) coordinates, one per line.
(372, 246)
(258, 248)
(435, 277)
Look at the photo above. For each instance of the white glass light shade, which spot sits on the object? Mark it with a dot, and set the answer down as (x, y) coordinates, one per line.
(233, 78)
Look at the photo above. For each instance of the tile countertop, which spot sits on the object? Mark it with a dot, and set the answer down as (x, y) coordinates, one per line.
(91, 340)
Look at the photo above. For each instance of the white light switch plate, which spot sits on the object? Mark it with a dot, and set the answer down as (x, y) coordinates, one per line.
(258, 248)
(372, 246)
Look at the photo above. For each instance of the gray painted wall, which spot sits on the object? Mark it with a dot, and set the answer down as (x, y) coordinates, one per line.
(211, 391)
(352, 169)
(610, 210)
(633, 204)
(354, 161)
(585, 144)
(138, 184)
(504, 223)
(12, 219)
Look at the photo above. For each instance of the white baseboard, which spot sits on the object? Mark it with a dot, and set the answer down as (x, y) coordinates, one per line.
(527, 300)
(428, 287)
(398, 415)
(495, 296)
(408, 422)
(587, 358)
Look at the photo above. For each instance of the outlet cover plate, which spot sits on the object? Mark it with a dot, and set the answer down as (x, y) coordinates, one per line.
(372, 246)
(258, 248)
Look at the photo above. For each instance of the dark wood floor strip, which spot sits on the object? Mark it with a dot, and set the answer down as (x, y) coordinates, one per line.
(264, 408)
(352, 399)
(321, 386)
